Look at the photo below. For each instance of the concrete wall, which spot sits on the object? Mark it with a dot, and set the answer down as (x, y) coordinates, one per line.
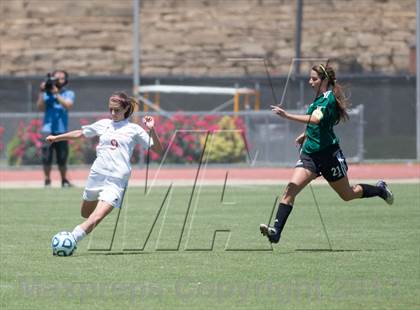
(196, 37)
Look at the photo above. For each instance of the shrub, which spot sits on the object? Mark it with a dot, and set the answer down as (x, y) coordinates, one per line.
(25, 147)
(227, 144)
(184, 136)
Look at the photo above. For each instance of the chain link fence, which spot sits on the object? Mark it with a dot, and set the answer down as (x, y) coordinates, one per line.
(389, 113)
(258, 138)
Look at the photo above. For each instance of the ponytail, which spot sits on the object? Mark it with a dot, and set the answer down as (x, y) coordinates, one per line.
(327, 72)
(342, 102)
(133, 103)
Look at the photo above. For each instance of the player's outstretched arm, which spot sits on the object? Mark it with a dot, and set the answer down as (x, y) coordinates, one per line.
(315, 118)
(71, 135)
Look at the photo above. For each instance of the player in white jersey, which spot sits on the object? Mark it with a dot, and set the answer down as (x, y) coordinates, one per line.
(111, 170)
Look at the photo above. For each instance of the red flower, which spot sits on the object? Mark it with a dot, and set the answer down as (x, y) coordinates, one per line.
(84, 121)
(154, 156)
(177, 150)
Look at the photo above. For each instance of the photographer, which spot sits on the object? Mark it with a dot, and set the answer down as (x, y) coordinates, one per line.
(55, 100)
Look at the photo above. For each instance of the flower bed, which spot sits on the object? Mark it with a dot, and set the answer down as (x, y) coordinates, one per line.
(182, 136)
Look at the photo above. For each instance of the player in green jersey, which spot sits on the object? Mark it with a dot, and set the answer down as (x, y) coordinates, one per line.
(320, 151)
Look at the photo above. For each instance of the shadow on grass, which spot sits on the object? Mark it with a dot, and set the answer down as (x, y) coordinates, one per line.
(115, 253)
(89, 253)
(98, 252)
(327, 250)
(342, 250)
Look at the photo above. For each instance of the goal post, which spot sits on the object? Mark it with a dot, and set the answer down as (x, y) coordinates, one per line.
(240, 96)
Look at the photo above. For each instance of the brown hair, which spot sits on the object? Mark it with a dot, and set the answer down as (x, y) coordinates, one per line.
(124, 101)
(327, 72)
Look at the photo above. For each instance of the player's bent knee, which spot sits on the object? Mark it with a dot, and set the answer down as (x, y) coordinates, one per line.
(346, 196)
(290, 191)
(85, 213)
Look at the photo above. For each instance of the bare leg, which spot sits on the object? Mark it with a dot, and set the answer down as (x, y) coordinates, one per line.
(87, 208)
(345, 191)
(101, 211)
(300, 178)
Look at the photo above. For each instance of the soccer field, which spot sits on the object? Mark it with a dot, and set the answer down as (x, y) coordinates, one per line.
(166, 255)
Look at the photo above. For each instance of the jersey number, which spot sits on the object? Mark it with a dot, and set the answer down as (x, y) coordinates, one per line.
(336, 171)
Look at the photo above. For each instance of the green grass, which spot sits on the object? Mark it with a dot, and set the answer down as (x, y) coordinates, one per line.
(375, 263)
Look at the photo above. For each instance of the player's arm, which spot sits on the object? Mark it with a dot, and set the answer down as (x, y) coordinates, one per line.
(314, 118)
(299, 140)
(150, 124)
(157, 146)
(71, 135)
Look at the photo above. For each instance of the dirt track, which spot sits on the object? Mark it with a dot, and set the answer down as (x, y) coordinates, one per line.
(391, 172)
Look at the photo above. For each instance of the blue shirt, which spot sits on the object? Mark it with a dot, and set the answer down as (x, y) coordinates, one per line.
(56, 116)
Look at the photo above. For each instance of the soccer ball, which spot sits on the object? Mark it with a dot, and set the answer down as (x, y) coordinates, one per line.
(63, 244)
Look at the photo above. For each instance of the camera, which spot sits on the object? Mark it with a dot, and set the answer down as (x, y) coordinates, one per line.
(50, 82)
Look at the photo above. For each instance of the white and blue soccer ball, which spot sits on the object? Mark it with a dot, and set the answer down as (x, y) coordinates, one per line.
(63, 244)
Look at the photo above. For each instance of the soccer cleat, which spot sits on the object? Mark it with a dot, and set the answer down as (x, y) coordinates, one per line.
(389, 195)
(66, 183)
(270, 232)
(47, 183)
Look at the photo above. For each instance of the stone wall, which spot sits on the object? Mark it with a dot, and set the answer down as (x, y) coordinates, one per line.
(197, 37)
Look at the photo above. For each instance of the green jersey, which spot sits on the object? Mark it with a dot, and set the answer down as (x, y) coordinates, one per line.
(322, 135)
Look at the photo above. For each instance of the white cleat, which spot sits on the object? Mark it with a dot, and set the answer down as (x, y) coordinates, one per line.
(270, 232)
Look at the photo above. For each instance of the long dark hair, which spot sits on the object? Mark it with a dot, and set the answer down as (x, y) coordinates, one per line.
(327, 72)
(124, 100)
(66, 77)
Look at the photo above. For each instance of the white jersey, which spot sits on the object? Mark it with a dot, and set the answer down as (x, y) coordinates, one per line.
(116, 144)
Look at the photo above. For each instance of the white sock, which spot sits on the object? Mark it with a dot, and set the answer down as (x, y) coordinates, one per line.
(78, 233)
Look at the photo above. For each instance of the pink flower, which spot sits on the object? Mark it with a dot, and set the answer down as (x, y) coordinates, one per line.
(169, 126)
(154, 156)
(38, 144)
(178, 117)
(201, 124)
(177, 150)
(19, 152)
(84, 121)
(189, 138)
(210, 118)
(213, 128)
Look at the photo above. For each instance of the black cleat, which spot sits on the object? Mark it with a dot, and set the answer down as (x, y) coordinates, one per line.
(389, 195)
(270, 232)
(47, 183)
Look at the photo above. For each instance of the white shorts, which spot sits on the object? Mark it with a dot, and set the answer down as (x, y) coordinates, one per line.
(106, 188)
